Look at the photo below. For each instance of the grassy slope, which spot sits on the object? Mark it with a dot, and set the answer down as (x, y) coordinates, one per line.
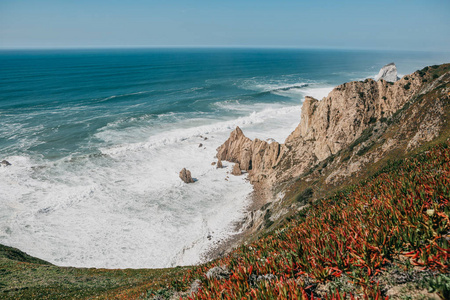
(26, 277)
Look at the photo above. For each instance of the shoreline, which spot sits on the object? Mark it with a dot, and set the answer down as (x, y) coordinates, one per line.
(257, 199)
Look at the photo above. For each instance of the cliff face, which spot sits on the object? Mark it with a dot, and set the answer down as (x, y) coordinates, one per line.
(353, 117)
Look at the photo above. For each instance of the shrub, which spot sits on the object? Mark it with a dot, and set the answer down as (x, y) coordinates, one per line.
(304, 196)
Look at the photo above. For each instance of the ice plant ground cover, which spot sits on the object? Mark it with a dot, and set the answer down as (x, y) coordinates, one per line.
(389, 230)
(397, 218)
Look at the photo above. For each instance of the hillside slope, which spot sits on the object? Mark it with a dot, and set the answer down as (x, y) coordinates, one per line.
(387, 236)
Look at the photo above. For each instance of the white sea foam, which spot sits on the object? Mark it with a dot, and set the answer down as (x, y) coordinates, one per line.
(126, 206)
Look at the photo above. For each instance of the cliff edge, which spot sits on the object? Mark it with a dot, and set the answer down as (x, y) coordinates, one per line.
(358, 124)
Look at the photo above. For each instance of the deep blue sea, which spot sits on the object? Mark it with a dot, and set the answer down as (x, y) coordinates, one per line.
(96, 139)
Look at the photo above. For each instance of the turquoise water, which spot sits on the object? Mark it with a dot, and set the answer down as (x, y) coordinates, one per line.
(96, 139)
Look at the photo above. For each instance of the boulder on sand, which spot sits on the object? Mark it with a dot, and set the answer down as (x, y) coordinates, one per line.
(185, 175)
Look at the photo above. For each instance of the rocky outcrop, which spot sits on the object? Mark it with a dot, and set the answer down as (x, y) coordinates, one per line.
(236, 170)
(218, 273)
(219, 164)
(5, 163)
(185, 175)
(388, 73)
(332, 125)
(252, 156)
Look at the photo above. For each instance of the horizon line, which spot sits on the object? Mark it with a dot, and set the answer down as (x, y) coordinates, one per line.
(113, 47)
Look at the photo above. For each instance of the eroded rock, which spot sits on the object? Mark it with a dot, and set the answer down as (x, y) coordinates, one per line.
(219, 164)
(326, 127)
(236, 170)
(185, 175)
(388, 73)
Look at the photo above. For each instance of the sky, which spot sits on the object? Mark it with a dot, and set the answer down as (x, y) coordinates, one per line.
(420, 25)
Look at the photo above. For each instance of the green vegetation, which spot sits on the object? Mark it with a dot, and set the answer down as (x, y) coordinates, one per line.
(26, 277)
(397, 219)
(304, 196)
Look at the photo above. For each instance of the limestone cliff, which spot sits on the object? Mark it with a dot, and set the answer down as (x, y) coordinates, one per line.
(350, 128)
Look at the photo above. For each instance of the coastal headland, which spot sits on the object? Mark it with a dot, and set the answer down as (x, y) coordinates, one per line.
(354, 202)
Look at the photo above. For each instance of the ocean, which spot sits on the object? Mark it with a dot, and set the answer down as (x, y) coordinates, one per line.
(97, 138)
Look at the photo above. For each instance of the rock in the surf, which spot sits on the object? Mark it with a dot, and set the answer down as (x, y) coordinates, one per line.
(185, 175)
(5, 163)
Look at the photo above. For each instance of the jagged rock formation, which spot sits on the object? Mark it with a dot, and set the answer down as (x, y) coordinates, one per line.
(253, 156)
(219, 164)
(353, 118)
(185, 175)
(388, 73)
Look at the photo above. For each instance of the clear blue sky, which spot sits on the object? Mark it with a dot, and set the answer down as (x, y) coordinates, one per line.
(393, 24)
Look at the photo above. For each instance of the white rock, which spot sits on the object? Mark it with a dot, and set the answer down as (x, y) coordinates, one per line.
(388, 73)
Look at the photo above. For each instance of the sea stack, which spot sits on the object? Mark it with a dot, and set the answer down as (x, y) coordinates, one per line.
(388, 73)
(185, 175)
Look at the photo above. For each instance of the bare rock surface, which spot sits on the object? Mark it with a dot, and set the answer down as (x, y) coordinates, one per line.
(236, 170)
(218, 273)
(185, 175)
(219, 164)
(332, 124)
(388, 73)
(195, 286)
